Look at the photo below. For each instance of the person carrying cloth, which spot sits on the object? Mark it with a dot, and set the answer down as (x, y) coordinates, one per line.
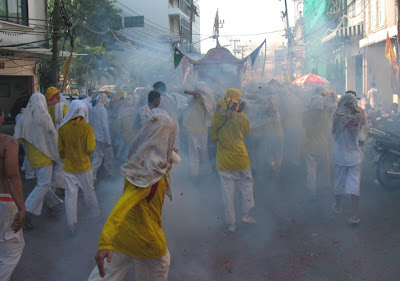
(76, 143)
(133, 231)
(36, 129)
(228, 129)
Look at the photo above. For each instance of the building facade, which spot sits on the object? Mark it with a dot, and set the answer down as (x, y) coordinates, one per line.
(163, 23)
(23, 47)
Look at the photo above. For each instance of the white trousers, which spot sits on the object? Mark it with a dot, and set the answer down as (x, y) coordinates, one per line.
(145, 269)
(317, 166)
(245, 184)
(198, 154)
(347, 180)
(11, 244)
(58, 178)
(41, 192)
(102, 154)
(83, 181)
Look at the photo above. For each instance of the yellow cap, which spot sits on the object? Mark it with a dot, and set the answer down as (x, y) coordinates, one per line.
(233, 94)
(51, 92)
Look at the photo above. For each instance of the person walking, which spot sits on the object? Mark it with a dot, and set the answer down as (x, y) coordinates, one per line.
(228, 129)
(350, 126)
(76, 142)
(132, 234)
(103, 153)
(36, 129)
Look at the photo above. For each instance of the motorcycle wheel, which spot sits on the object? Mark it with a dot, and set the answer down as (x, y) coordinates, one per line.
(388, 183)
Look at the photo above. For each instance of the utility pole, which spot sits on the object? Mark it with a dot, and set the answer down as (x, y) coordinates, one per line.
(234, 44)
(289, 36)
(242, 47)
(55, 62)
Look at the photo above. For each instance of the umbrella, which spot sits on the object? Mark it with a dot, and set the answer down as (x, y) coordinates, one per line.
(310, 80)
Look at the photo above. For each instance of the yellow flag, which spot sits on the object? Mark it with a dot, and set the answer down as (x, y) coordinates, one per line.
(390, 55)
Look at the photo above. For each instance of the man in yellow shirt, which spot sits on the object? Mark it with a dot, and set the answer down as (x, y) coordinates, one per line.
(76, 143)
(133, 231)
(35, 128)
(228, 129)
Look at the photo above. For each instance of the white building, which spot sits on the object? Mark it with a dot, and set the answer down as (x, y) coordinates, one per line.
(24, 44)
(157, 24)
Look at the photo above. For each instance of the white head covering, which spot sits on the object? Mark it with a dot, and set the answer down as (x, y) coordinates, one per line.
(37, 127)
(150, 151)
(78, 108)
(103, 99)
(348, 111)
(317, 103)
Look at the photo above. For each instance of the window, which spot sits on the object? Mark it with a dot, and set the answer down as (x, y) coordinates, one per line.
(381, 13)
(373, 14)
(15, 11)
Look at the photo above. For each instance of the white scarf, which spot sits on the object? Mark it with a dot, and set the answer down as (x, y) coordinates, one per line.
(37, 127)
(150, 151)
(77, 108)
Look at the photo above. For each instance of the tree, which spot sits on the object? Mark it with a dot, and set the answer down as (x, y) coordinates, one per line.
(89, 26)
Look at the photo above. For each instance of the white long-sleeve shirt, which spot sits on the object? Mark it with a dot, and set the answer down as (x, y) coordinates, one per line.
(100, 124)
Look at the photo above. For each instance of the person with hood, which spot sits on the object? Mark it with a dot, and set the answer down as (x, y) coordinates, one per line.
(228, 129)
(132, 234)
(103, 153)
(350, 126)
(76, 143)
(12, 206)
(316, 145)
(36, 129)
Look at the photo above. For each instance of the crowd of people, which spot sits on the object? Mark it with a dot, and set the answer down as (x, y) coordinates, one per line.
(244, 135)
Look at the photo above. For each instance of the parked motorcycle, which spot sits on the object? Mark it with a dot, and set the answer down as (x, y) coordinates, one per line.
(387, 158)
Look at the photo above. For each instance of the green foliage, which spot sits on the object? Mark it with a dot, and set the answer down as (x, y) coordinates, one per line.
(91, 23)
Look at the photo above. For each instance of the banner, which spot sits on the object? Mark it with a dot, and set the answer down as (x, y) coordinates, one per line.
(253, 56)
(390, 55)
(178, 56)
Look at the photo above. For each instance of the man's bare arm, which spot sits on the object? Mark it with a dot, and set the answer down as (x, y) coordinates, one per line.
(14, 181)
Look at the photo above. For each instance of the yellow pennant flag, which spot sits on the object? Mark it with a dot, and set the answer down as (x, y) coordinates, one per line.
(390, 55)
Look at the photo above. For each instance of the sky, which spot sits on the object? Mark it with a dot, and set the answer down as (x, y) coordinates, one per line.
(244, 18)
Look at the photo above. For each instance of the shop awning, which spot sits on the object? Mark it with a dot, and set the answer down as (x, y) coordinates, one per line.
(348, 31)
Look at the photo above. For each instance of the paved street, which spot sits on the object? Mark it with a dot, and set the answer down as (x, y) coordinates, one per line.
(294, 238)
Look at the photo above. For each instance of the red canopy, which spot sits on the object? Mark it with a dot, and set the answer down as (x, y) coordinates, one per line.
(310, 80)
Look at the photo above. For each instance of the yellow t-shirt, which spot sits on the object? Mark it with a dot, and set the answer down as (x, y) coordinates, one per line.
(232, 154)
(36, 158)
(134, 226)
(76, 143)
(52, 111)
